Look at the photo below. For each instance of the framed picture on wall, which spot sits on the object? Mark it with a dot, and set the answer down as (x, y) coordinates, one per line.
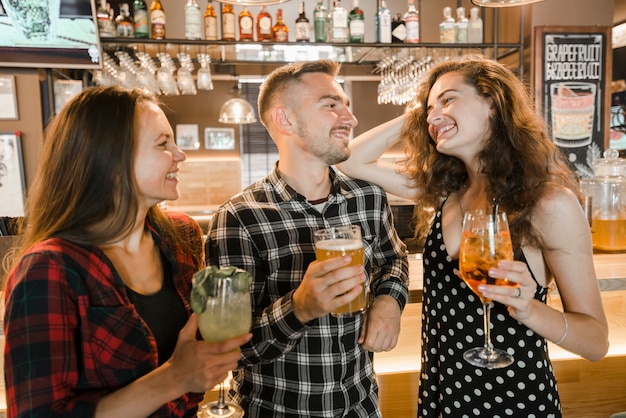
(64, 91)
(572, 80)
(219, 138)
(8, 98)
(187, 136)
(12, 183)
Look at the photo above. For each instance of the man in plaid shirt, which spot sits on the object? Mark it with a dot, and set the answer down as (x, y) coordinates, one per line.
(302, 361)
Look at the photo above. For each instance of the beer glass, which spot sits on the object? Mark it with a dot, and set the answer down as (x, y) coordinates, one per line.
(340, 241)
(485, 241)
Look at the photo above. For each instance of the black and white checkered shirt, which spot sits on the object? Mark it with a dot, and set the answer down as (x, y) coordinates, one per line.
(316, 369)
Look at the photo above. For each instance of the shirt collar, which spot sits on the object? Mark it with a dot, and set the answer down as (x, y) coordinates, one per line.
(285, 192)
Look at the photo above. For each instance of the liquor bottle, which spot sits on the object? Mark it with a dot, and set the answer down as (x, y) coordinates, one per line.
(124, 22)
(411, 20)
(303, 28)
(398, 30)
(264, 25)
(338, 23)
(475, 27)
(246, 25)
(210, 22)
(140, 16)
(193, 20)
(280, 31)
(228, 22)
(461, 26)
(320, 22)
(157, 20)
(382, 22)
(106, 25)
(356, 24)
(447, 27)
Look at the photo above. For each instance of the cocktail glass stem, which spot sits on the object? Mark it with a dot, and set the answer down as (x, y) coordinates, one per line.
(488, 347)
(488, 356)
(221, 407)
(485, 240)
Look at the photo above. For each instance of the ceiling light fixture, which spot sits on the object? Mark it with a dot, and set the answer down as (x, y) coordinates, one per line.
(237, 111)
(503, 3)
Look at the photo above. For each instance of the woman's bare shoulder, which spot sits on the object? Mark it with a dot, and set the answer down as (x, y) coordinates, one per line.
(555, 199)
(559, 218)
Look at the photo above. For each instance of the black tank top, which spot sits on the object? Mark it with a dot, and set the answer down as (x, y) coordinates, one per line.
(163, 312)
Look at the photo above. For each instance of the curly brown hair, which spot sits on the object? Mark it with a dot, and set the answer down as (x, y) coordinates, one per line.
(519, 158)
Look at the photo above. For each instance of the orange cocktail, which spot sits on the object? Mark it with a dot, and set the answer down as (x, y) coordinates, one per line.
(485, 240)
(478, 255)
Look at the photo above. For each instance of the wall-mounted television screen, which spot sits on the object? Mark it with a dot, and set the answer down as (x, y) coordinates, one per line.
(49, 34)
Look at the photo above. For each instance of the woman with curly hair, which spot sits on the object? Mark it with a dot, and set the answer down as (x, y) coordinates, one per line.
(473, 138)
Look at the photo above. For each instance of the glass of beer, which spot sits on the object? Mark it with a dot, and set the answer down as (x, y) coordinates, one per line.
(339, 241)
(485, 241)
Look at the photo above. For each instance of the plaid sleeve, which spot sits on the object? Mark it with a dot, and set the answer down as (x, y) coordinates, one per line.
(275, 328)
(392, 277)
(41, 354)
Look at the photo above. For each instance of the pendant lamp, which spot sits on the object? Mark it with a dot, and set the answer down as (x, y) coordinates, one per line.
(503, 3)
(237, 111)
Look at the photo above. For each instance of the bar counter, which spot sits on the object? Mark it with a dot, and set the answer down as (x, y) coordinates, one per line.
(611, 273)
(587, 389)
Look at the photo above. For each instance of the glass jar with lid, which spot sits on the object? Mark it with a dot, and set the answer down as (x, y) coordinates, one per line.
(607, 189)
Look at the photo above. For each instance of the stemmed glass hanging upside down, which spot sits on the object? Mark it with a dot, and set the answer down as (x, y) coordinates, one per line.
(485, 241)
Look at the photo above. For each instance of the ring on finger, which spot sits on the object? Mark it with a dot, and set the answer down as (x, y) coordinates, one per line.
(518, 293)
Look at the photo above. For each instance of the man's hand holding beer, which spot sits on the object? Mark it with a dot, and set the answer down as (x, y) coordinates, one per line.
(326, 286)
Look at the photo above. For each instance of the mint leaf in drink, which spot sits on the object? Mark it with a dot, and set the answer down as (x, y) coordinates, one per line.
(205, 284)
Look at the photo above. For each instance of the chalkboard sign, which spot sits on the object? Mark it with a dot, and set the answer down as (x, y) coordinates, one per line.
(572, 79)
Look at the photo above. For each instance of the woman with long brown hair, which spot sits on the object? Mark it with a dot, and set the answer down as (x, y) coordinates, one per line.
(98, 321)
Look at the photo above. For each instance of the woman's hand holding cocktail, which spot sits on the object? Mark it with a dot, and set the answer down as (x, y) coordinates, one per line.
(518, 299)
(200, 365)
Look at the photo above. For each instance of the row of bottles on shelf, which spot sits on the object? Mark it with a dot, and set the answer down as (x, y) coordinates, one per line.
(462, 30)
(335, 25)
(143, 22)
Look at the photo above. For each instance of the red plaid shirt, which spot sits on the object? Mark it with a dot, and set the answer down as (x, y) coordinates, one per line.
(72, 335)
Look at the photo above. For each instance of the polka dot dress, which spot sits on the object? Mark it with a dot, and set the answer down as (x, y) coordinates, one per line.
(452, 323)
